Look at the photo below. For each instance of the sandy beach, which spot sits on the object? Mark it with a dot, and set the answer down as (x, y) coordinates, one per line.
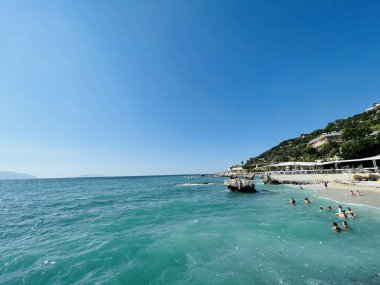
(339, 191)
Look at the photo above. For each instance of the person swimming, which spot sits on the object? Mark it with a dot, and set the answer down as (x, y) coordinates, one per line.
(350, 213)
(330, 209)
(335, 228)
(292, 201)
(307, 201)
(345, 225)
(341, 214)
(320, 208)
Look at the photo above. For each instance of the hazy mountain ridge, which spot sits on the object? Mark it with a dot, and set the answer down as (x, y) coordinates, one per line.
(11, 175)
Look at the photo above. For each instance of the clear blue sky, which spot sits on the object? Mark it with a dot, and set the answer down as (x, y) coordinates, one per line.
(169, 87)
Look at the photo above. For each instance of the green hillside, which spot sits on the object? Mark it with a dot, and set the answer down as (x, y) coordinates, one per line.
(359, 140)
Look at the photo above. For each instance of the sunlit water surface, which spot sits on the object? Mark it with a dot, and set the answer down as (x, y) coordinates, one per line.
(171, 230)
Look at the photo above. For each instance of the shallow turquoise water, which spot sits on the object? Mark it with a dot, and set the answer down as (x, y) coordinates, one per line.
(163, 230)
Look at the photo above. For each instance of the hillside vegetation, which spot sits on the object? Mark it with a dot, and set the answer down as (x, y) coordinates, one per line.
(359, 140)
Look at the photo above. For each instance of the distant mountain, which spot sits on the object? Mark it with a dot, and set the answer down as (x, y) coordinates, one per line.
(10, 175)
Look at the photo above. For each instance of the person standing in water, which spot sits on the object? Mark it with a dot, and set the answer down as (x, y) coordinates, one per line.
(292, 201)
(345, 225)
(307, 201)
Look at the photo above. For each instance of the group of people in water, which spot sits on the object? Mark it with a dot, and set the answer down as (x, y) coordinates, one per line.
(342, 214)
(293, 202)
(357, 193)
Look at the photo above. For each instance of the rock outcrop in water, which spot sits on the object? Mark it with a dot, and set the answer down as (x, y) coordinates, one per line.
(240, 185)
(269, 180)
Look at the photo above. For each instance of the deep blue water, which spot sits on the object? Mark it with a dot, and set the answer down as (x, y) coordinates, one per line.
(169, 230)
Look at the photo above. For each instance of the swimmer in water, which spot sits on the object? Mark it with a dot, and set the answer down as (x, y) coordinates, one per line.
(335, 228)
(292, 201)
(320, 208)
(345, 225)
(341, 214)
(329, 209)
(350, 213)
(307, 201)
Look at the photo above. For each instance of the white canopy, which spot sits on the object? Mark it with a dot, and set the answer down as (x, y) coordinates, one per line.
(302, 163)
(294, 163)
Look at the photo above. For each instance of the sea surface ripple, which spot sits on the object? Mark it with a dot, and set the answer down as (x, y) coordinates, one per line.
(171, 230)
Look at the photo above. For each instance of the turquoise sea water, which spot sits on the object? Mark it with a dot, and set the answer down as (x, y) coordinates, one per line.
(169, 230)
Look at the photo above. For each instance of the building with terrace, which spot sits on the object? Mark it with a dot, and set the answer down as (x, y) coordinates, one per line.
(321, 140)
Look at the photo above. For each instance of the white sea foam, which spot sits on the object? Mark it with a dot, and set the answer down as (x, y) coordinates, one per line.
(347, 203)
(194, 184)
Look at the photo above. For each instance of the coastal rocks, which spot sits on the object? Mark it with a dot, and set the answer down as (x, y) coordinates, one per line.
(249, 176)
(269, 180)
(232, 174)
(240, 185)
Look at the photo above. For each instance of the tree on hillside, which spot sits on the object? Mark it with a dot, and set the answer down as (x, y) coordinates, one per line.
(361, 147)
(358, 142)
(329, 150)
(354, 132)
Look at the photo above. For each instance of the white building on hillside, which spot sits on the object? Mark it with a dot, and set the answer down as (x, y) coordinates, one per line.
(236, 168)
(321, 140)
(373, 106)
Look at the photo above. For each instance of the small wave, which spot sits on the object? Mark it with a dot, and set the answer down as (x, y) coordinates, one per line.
(194, 184)
(348, 203)
(265, 191)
